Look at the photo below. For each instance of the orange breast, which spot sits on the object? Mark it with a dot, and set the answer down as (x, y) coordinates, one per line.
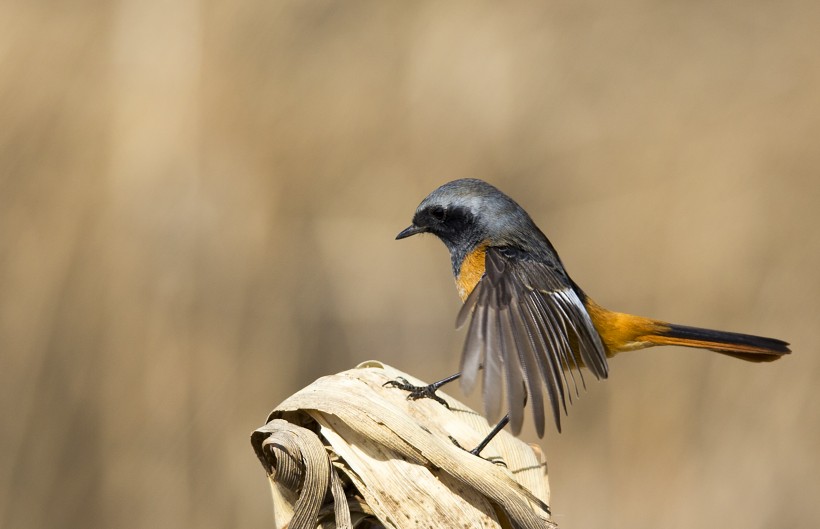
(472, 268)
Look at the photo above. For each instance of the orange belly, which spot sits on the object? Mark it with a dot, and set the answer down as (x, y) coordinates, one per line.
(471, 271)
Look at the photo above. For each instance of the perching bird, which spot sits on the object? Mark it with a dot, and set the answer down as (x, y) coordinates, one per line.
(531, 327)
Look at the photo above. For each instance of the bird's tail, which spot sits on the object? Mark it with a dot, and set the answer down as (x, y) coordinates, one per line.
(743, 346)
(624, 332)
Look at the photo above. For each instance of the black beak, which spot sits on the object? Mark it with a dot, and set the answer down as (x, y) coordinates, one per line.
(410, 230)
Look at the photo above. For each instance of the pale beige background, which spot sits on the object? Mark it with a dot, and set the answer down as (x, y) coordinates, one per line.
(197, 209)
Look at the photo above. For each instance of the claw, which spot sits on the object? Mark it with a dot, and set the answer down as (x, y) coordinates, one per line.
(417, 392)
(401, 383)
(495, 460)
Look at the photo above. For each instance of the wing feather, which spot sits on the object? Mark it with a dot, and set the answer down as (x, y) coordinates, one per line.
(475, 344)
(561, 319)
(468, 307)
(531, 368)
(588, 338)
(550, 368)
(527, 328)
(559, 345)
(511, 356)
(493, 356)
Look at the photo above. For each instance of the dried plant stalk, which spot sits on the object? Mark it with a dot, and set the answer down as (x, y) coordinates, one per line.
(348, 452)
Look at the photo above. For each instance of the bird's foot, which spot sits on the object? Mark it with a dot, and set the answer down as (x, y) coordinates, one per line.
(418, 392)
(477, 452)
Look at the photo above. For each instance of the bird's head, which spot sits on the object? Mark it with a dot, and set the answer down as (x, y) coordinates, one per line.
(469, 213)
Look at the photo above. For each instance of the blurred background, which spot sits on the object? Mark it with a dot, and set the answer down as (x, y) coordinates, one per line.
(197, 209)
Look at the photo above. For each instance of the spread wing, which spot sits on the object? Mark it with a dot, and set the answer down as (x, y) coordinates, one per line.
(529, 331)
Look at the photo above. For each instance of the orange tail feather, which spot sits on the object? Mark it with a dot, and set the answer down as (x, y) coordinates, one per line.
(625, 332)
(743, 346)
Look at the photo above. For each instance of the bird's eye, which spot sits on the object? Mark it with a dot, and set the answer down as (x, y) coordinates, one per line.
(438, 213)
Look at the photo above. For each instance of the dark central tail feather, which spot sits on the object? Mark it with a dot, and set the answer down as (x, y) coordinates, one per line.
(743, 346)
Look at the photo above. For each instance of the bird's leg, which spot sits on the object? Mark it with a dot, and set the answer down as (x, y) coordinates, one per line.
(483, 444)
(497, 428)
(422, 392)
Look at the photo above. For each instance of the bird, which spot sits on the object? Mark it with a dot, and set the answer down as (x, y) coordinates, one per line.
(530, 327)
